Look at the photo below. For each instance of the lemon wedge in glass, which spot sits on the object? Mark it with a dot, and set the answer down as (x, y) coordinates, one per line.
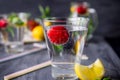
(77, 47)
(47, 23)
(92, 72)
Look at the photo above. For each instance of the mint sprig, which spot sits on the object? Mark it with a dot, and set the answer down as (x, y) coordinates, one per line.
(106, 78)
(14, 19)
(45, 12)
(10, 30)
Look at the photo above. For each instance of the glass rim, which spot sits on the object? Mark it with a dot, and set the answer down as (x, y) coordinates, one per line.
(63, 19)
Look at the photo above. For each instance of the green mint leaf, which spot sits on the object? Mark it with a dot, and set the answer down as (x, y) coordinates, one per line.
(41, 10)
(106, 79)
(11, 17)
(90, 28)
(47, 11)
(10, 30)
(19, 23)
(58, 48)
(97, 79)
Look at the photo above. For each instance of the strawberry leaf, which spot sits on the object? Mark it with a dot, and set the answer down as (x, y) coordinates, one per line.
(58, 48)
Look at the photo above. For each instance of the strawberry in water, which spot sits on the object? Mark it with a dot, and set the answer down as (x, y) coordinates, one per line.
(3, 23)
(58, 35)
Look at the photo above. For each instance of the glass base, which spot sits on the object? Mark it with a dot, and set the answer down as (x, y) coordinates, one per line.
(14, 47)
(63, 72)
(65, 77)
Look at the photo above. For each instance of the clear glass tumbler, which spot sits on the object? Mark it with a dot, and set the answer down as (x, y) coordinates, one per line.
(65, 38)
(13, 41)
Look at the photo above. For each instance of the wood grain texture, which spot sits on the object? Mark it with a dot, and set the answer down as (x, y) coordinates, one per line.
(23, 63)
(27, 70)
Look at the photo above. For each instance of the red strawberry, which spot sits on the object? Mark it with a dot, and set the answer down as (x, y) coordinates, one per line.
(32, 24)
(81, 9)
(3, 23)
(58, 35)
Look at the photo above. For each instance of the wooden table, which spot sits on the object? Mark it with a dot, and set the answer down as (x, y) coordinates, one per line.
(97, 47)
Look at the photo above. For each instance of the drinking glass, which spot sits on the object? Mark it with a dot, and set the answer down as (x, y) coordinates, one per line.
(13, 41)
(84, 9)
(65, 38)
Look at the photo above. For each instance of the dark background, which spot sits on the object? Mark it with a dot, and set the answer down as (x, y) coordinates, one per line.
(108, 14)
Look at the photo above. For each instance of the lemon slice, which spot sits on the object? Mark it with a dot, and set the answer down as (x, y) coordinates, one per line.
(73, 8)
(47, 23)
(77, 47)
(92, 72)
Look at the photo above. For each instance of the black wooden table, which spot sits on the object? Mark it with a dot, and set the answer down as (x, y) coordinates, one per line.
(97, 47)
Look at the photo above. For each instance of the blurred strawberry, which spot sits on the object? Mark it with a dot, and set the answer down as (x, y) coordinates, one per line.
(3, 23)
(58, 35)
(32, 24)
(81, 9)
